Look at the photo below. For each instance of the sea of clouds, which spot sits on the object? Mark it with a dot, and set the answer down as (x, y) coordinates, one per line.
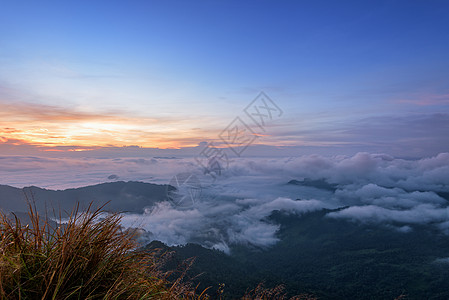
(233, 208)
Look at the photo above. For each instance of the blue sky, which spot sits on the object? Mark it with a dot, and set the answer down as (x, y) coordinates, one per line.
(349, 75)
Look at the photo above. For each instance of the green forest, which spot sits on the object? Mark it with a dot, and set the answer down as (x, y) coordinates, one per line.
(328, 258)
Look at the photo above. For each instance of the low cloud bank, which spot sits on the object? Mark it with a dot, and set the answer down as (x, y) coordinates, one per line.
(217, 225)
(369, 188)
(233, 209)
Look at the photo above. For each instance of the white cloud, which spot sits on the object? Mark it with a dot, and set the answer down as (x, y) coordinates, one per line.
(374, 188)
(218, 225)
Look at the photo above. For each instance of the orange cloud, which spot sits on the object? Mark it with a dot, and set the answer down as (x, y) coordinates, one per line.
(52, 126)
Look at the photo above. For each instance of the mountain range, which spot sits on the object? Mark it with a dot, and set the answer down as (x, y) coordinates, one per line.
(121, 196)
(331, 258)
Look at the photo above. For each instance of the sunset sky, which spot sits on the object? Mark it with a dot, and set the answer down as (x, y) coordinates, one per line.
(353, 75)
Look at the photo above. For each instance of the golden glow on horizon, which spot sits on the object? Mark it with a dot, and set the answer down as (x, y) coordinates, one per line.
(59, 129)
(50, 126)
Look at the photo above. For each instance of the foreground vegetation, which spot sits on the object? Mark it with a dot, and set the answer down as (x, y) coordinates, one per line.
(90, 257)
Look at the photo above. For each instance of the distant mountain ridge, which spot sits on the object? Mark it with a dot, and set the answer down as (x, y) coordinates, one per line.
(132, 196)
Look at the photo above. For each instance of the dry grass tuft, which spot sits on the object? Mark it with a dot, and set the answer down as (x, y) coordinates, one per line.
(90, 257)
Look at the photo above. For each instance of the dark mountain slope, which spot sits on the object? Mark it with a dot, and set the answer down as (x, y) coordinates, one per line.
(123, 196)
(333, 259)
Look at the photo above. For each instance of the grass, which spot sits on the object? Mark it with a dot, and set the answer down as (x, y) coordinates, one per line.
(89, 257)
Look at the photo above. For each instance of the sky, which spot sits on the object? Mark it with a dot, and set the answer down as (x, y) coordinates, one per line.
(347, 76)
(353, 93)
